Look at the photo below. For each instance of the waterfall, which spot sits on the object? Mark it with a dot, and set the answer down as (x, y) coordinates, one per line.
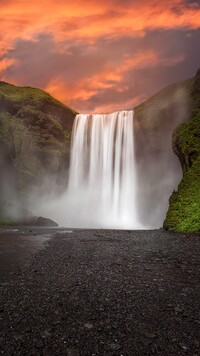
(102, 176)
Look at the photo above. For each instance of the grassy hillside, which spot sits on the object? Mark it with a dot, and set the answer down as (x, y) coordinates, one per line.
(184, 205)
(184, 209)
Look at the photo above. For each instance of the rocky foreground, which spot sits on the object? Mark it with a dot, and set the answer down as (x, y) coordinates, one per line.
(105, 293)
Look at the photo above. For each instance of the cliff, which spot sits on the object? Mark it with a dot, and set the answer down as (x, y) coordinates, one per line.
(158, 169)
(35, 133)
(184, 204)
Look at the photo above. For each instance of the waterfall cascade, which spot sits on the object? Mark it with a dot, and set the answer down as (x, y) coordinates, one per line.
(102, 178)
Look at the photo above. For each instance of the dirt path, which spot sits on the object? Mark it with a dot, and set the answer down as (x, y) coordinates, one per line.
(105, 293)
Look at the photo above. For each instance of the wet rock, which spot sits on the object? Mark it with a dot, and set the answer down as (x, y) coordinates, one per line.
(40, 221)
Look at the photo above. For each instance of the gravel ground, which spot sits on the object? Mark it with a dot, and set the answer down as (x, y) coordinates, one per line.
(105, 292)
(16, 245)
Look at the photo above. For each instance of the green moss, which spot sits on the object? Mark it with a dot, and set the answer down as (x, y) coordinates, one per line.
(184, 205)
(195, 94)
(26, 95)
(189, 140)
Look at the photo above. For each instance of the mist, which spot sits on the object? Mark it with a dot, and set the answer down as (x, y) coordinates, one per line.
(102, 178)
(158, 168)
(156, 172)
(11, 207)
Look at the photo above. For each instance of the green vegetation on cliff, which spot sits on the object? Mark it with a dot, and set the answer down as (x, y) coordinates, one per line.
(184, 208)
(12, 95)
(158, 169)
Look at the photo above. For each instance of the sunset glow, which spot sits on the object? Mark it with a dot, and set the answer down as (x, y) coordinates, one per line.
(99, 56)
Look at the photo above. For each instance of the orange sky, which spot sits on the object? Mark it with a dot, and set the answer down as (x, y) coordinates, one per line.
(99, 55)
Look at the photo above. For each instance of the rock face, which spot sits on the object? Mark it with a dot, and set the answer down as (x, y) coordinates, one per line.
(158, 168)
(39, 221)
(35, 132)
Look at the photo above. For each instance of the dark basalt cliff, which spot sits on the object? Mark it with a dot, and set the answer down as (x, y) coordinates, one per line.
(35, 133)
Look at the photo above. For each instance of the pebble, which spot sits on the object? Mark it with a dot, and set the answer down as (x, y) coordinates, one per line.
(88, 326)
(149, 335)
(114, 347)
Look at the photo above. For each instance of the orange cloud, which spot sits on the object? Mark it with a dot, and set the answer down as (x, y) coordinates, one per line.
(110, 77)
(89, 20)
(6, 63)
(80, 22)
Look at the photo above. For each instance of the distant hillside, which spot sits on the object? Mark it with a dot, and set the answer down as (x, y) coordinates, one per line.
(35, 133)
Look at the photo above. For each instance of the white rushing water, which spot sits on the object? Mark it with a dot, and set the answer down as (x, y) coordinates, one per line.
(102, 178)
(102, 186)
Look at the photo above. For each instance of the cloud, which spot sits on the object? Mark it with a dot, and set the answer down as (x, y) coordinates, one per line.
(99, 55)
(6, 63)
(88, 20)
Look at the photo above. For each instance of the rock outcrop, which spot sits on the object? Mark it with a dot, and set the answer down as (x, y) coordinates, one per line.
(37, 221)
